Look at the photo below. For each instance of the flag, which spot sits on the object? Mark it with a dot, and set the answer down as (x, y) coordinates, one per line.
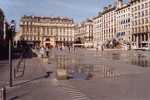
(4, 29)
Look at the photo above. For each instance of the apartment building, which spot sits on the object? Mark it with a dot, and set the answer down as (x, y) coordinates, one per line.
(84, 31)
(123, 22)
(140, 10)
(104, 25)
(47, 31)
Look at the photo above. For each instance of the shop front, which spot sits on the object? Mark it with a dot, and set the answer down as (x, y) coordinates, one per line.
(141, 41)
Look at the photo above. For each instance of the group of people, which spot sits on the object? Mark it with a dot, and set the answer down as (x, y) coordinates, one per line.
(64, 47)
(100, 47)
(44, 51)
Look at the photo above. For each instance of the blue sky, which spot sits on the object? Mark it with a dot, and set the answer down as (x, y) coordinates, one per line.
(79, 10)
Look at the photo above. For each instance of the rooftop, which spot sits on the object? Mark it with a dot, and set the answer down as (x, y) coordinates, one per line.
(38, 18)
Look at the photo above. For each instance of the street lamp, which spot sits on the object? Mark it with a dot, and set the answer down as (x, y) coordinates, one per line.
(10, 36)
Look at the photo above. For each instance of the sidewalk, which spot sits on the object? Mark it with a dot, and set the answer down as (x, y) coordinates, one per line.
(111, 79)
(43, 89)
(32, 70)
(4, 72)
(34, 85)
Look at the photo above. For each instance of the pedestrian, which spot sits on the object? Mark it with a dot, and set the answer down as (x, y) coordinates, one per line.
(74, 48)
(102, 47)
(97, 49)
(47, 51)
(69, 48)
(42, 51)
(60, 48)
(57, 47)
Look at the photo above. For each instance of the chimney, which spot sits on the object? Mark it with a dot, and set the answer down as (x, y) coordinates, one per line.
(119, 3)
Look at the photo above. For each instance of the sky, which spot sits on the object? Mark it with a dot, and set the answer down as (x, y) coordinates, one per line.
(79, 10)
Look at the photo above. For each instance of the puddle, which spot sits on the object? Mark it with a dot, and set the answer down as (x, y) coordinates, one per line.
(132, 58)
(140, 60)
(116, 56)
(77, 67)
(71, 68)
(81, 72)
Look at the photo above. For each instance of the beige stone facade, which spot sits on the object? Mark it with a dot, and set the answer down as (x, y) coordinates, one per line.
(104, 25)
(128, 22)
(123, 23)
(84, 31)
(140, 10)
(47, 31)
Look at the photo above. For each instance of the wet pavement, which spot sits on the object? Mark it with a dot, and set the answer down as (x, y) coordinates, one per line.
(108, 75)
(91, 75)
(141, 59)
(86, 64)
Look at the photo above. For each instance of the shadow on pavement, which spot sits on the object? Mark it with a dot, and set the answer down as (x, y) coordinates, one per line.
(20, 96)
(38, 78)
(23, 83)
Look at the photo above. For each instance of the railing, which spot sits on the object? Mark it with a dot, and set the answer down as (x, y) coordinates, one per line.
(20, 68)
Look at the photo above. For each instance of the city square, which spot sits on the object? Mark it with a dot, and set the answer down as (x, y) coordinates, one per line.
(118, 79)
(75, 50)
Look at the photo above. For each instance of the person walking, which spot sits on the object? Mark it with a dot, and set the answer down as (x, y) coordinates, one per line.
(60, 48)
(97, 49)
(102, 48)
(42, 51)
(69, 48)
(47, 51)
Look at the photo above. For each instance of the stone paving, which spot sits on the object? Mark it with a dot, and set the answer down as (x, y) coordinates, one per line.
(112, 79)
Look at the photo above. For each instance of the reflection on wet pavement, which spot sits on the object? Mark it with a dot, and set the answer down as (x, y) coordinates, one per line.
(74, 69)
(132, 58)
(81, 71)
(83, 67)
(116, 56)
(140, 60)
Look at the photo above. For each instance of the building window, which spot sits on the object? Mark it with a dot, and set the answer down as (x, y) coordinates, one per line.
(138, 7)
(139, 14)
(142, 6)
(142, 21)
(146, 12)
(146, 5)
(146, 28)
(142, 14)
(146, 20)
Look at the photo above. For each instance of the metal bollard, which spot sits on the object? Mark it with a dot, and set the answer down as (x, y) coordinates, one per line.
(3, 93)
